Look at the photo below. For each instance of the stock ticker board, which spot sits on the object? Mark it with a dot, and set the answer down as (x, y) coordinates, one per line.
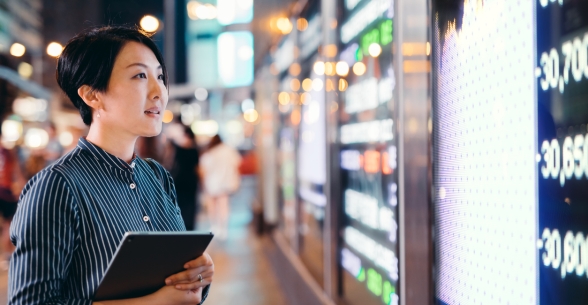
(510, 111)
(562, 158)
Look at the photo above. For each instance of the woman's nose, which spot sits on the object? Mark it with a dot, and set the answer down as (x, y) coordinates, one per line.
(155, 90)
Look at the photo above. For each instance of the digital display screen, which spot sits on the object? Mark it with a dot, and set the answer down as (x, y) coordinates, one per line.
(368, 154)
(484, 156)
(510, 150)
(562, 150)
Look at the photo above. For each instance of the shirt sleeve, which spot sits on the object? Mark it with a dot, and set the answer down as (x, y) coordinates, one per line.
(44, 233)
(205, 293)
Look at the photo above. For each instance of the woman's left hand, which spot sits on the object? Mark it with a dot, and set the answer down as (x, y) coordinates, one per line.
(198, 273)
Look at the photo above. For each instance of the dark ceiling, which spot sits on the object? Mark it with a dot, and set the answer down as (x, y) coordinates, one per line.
(65, 18)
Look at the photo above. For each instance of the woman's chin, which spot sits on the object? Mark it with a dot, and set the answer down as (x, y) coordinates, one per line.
(153, 132)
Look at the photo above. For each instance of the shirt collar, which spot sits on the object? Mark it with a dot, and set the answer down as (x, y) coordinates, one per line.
(101, 155)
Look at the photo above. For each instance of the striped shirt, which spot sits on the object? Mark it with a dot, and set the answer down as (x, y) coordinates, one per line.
(71, 217)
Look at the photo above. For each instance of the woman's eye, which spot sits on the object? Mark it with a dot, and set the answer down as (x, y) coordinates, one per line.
(141, 75)
(160, 76)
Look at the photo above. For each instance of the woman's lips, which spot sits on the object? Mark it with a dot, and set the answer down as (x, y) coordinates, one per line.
(153, 111)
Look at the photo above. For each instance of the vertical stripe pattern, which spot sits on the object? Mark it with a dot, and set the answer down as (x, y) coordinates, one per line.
(71, 217)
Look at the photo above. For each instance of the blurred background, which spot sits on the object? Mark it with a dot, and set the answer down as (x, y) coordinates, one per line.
(389, 151)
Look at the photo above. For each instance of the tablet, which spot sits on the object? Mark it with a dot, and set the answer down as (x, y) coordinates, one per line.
(144, 260)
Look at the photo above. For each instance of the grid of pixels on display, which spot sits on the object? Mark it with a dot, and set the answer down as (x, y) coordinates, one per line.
(484, 172)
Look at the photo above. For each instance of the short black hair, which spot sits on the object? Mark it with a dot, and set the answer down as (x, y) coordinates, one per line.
(88, 59)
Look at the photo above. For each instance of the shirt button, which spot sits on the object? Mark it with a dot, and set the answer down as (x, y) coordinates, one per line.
(145, 218)
(133, 186)
(133, 165)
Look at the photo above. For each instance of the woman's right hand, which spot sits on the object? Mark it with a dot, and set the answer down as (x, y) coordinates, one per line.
(173, 296)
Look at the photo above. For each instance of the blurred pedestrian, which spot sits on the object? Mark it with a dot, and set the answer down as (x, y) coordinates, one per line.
(34, 161)
(219, 166)
(184, 172)
(248, 163)
(11, 183)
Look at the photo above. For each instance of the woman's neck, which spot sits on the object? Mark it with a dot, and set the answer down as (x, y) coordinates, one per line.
(113, 142)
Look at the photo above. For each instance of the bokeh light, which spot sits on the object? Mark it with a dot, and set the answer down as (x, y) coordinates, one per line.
(149, 23)
(284, 98)
(284, 25)
(295, 69)
(247, 104)
(54, 49)
(295, 117)
(201, 94)
(330, 68)
(251, 115)
(36, 138)
(206, 11)
(343, 85)
(319, 67)
(375, 50)
(17, 49)
(342, 68)
(25, 70)
(205, 128)
(11, 130)
(359, 68)
(307, 84)
(65, 138)
(168, 116)
(295, 84)
(302, 24)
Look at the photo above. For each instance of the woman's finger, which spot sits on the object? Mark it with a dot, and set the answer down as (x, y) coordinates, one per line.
(206, 280)
(188, 276)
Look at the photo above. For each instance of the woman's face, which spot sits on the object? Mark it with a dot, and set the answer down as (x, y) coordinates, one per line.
(136, 96)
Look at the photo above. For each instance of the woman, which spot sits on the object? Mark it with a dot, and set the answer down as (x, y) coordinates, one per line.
(219, 167)
(73, 214)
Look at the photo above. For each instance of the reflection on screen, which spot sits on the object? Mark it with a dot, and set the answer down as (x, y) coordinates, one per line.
(484, 152)
(368, 155)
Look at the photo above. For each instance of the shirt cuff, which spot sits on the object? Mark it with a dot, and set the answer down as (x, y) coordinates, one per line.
(204, 294)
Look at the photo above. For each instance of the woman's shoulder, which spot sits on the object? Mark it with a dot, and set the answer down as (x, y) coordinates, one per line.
(69, 159)
(50, 180)
(62, 168)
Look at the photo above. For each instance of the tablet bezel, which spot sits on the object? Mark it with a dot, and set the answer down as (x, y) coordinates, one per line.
(129, 261)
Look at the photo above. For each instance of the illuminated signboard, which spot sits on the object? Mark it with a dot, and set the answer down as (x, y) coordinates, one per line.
(561, 70)
(234, 11)
(364, 17)
(368, 156)
(235, 58)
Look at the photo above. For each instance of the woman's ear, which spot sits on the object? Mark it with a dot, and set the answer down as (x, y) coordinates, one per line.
(90, 97)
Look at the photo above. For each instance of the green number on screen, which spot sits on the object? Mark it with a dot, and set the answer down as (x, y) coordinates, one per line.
(374, 282)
